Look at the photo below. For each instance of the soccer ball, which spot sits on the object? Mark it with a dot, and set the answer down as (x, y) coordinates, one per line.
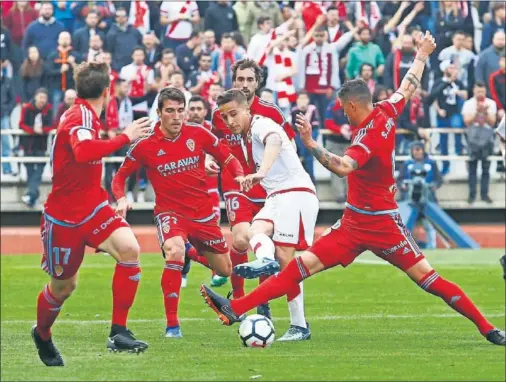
(256, 331)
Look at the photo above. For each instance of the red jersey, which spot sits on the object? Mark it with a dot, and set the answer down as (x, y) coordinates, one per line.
(76, 157)
(258, 107)
(176, 169)
(212, 181)
(371, 188)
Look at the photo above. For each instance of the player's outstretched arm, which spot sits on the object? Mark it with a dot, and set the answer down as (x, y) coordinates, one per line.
(426, 45)
(341, 166)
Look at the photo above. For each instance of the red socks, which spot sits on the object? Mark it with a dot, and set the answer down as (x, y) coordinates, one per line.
(171, 288)
(124, 287)
(237, 257)
(48, 308)
(456, 299)
(275, 286)
(195, 256)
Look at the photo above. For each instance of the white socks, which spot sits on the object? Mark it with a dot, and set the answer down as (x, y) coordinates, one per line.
(296, 309)
(263, 246)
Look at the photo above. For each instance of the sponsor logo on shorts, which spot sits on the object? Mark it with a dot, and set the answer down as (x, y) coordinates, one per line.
(285, 234)
(210, 243)
(165, 227)
(395, 248)
(336, 225)
(190, 143)
(106, 224)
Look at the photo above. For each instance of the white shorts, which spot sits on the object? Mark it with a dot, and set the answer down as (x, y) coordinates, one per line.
(293, 215)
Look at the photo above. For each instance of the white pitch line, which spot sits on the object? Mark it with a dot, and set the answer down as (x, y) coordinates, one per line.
(316, 318)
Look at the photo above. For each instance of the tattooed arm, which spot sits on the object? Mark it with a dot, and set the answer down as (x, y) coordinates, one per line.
(341, 166)
(426, 45)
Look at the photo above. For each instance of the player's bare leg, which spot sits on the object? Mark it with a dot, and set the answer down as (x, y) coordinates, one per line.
(49, 304)
(124, 248)
(298, 269)
(219, 262)
(429, 280)
(239, 255)
(174, 251)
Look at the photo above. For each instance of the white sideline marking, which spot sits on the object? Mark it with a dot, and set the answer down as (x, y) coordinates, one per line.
(317, 318)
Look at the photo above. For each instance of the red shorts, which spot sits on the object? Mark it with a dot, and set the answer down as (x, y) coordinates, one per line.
(215, 196)
(240, 208)
(64, 244)
(205, 235)
(384, 235)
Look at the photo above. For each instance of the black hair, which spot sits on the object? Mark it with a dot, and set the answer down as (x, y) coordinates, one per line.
(247, 63)
(170, 93)
(355, 89)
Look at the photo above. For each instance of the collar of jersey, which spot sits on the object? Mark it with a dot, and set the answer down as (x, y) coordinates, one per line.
(159, 134)
(368, 119)
(81, 101)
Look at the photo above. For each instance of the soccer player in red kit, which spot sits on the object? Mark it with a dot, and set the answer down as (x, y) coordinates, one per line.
(197, 111)
(76, 214)
(371, 220)
(243, 206)
(174, 159)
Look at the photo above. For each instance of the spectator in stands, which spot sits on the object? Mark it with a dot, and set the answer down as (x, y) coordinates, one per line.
(43, 33)
(497, 87)
(121, 40)
(140, 79)
(81, 37)
(267, 9)
(180, 19)
(265, 35)
(380, 94)
(105, 10)
(480, 116)
(494, 25)
(187, 54)
(432, 178)
(364, 51)
(7, 104)
(201, 79)
(32, 74)
(224, 58)
(366, 74)
(143, 15)
(63, 13)
(59, 69)
(320, 70)
(37, 122)
(305, 108)
(215, 90)
(17, 20)
(449, 19)
(95, 52)
(488, 62)
(68, 100)
(209, 42)
(152, 49)
(221, 18)
(245, 18)
(471, 68)
(6, 52)
(398, 63)
(266, 95)
(337, 142)
(459, 55)
(164, 68)
(176, 80)
(447, 95)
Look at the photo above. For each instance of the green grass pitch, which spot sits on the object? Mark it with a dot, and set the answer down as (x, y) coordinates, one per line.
(369, 322)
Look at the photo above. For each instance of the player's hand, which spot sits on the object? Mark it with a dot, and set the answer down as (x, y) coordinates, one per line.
(123, 206)
(212, 168)
(139, 128)
(426, 45)
(250, 180)
(304, 126)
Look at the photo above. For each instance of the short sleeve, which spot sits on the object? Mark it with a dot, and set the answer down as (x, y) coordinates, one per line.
(263, 128)
(363, 146)
(392, 107)
(165, 9)
(467, 107)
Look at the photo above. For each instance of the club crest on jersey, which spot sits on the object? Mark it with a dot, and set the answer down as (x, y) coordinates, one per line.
(190, 143)
(231, 216)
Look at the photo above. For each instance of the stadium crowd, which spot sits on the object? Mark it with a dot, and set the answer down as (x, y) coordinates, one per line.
(307, 50)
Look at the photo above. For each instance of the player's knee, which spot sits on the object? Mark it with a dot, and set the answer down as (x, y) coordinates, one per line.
(241, 241)
(63, 290)
(174, 250)
(129, 251)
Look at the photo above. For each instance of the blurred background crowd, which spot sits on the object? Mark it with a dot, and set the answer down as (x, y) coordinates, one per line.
(307, 50)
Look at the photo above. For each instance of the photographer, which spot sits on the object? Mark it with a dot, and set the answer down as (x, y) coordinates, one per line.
(480, 114)
(418, 181)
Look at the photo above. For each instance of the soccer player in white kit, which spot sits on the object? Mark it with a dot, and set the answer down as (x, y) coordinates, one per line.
(287, 221)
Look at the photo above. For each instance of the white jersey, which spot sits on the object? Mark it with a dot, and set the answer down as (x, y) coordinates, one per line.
(287, 172)
(501, 129)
